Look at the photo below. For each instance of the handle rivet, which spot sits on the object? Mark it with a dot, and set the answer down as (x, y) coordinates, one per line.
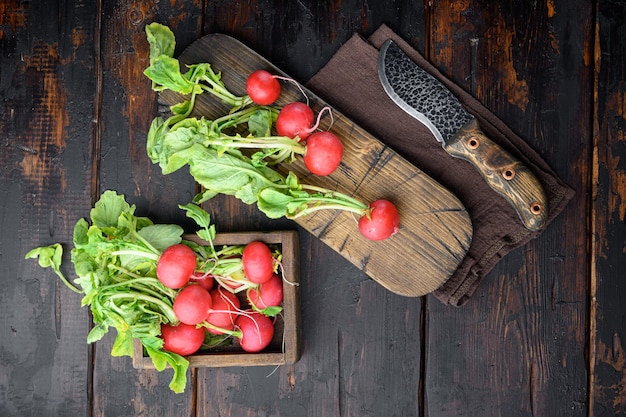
(473, 142)
(536, 208)
(508, 174)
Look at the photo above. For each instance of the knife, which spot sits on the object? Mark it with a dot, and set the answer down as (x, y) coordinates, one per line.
(426, 99)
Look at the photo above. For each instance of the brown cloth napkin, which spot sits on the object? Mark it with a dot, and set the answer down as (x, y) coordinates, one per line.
(350, 83)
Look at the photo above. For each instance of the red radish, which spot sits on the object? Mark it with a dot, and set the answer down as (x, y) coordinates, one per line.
(295, 119)
(183, 339)
(258, 263)
(262, 87)
(175, 266)
(192, 304)
(256, 330)
(203, 279)
(268, 294)
(380, 221)
(323, 153)
(223, 303)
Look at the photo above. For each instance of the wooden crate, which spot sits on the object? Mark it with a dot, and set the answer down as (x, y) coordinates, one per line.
(285, 346)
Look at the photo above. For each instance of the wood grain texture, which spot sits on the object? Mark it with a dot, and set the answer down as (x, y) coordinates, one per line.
(300, 37)
(503, 172)
(47, 92)
(335, 373)
(435, 229)
(74, 110)
(509, 350)
(353, 331)
(608, 214)
(126, 109)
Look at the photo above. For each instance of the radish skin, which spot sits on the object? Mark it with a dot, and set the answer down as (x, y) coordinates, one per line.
(262, 87)
(323, 154)
(258, 263)
(380, 221)
(295, 119)
(175, 266)
(224, 307)
(192, 304)
(205, 280)
(183, 339)
(256, 331)
(268, 294)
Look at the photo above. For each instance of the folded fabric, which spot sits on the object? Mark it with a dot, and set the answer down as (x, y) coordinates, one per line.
(350, 83)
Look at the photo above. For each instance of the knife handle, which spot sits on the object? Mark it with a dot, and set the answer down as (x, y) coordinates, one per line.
(504, 174)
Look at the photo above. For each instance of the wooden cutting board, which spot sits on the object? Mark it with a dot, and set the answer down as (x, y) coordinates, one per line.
(435, 228)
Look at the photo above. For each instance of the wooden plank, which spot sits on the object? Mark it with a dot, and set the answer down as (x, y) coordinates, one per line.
(608, 214)
(301, 37)
(128, 106)
(435, 229)
(517, 348)
(527, 316)
(354, 332)
(361, 350)
(47, 91)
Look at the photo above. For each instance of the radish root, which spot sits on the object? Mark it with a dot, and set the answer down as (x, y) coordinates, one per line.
(294, 82)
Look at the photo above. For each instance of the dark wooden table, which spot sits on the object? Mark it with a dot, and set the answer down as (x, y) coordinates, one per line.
(542, 336)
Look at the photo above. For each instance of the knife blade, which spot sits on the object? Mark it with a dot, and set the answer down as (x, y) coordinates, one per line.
(426, 99)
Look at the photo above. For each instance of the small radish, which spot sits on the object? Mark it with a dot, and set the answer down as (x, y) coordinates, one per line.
(380, 220)
(203, 279)
(268, 294)
(183, 339)
(295, 119)
(175, 266)
(192, 304)
(223, 302)
(323, 153)
(256, 331)
(258, 263)
(262, 87)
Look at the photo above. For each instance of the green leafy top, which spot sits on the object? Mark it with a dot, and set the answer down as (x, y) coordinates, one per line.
(223, 162)
(115, 260)
(165, 73)
(161, 40)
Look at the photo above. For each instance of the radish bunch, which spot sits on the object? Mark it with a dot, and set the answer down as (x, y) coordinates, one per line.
(296, 120)
(324, 150)
(237, 152)
(208, 306)
(149, 284)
